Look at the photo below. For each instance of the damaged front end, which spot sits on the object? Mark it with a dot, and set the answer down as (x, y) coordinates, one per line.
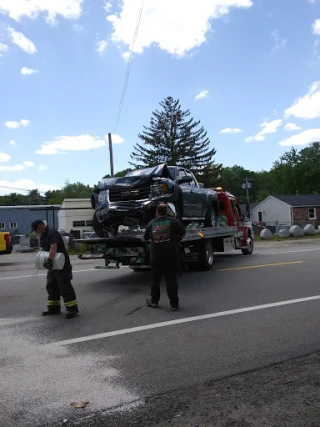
(131, 201)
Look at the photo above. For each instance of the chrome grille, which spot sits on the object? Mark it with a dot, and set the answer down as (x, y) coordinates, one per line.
(129, 193)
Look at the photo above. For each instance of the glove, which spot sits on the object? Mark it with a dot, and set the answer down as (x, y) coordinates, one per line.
(48, 264)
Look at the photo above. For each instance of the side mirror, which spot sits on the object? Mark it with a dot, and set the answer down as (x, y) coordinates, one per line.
(185, 180)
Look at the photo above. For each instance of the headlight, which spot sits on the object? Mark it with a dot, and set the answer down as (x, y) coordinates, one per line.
(164, 188)
(103, 196)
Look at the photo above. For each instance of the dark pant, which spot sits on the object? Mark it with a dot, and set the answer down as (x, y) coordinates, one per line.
(59, 284)
(168, 268)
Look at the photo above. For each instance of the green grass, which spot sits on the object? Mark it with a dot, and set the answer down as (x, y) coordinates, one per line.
(280, 239)
(82, 249)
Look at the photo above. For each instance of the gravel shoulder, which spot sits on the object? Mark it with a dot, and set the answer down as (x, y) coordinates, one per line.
(281, 395)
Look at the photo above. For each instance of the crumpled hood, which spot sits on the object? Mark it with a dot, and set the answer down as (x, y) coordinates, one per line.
(136, 178)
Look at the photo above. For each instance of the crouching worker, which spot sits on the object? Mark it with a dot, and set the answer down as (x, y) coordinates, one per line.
(165, 233)
(58, 281)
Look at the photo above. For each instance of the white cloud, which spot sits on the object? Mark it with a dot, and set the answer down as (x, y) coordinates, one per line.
(16, 168)
(12, 125)
(176, 27)
(78, 28)
(43, 167)
(28, 164)
(316, 27)
(231, 130)
(17, 9)
(308, 106)
(267, 127)
(107, 6)
(4, 157)
(25, 71)
(116, 139)
(303, 138)
(22, 41)
(62, 144)
(12, 142)
(3, 49)
(6, 187)
(292, 126)
(25, 122)
(201, 95)
(278, 42)
(101, 46)
(15, 125)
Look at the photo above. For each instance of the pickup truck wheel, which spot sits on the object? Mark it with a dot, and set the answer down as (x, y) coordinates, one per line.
(211, 218)
(206, 255)
(97, 226)
(249, 249)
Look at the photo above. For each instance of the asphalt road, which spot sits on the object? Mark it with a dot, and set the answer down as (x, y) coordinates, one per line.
(248, 312)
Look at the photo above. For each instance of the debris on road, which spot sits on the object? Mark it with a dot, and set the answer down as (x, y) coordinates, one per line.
(77, 405)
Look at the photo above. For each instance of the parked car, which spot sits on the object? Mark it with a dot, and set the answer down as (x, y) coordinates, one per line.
(132, 200)
(5, 243)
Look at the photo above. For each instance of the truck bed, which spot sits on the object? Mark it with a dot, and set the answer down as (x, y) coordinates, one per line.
(130, 236)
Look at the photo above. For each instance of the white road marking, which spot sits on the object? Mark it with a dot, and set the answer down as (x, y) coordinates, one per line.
(289, 252)
(44, 274)
(181, 321)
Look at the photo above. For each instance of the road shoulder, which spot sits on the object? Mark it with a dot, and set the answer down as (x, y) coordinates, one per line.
(284, 394)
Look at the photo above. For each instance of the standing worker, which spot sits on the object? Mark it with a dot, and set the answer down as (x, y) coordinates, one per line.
(58, 281)
(165, 233)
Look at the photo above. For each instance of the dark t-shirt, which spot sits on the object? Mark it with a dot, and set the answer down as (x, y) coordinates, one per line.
(164, 232)
(50, 237)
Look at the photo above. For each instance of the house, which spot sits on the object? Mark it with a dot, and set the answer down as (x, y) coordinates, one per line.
(75, 214)
(243, 207)
(18, 219)
(288, 210)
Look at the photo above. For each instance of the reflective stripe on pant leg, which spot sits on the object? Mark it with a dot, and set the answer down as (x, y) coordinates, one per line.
(73, 303)
(68, 293)
(53, 291)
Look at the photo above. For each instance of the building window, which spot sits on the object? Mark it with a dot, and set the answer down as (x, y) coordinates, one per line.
(260, 216)
(312, 213)
(89, 223)
(79, 224)
(2, 225)
(13, 225)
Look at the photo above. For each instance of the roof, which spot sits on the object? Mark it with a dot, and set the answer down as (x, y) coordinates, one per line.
(299, 200)
(30, 207)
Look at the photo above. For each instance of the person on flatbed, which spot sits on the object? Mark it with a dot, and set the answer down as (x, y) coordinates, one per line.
(165, 233)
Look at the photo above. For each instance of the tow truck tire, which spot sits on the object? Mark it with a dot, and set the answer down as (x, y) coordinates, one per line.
(206, 255)
(249, 249)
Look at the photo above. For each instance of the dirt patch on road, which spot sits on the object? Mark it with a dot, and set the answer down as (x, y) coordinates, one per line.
(282, 395)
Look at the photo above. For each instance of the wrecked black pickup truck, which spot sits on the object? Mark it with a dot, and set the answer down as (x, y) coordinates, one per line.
(132, 200)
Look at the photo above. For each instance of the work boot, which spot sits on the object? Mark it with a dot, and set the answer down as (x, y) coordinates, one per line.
(177, 308)
(51, 312)
(72, 313)
(151, 304)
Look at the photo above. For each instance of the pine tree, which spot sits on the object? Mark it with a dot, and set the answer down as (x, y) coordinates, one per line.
(175, 138)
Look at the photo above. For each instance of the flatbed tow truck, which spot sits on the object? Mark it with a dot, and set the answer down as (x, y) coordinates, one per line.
(197, 248)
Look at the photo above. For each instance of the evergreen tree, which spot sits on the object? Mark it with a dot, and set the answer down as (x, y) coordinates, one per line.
(175, 138)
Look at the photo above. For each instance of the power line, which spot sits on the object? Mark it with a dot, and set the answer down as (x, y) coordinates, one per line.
(124, 89)
(20, 189)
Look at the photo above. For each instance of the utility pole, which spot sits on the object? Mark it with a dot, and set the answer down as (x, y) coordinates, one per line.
(246, 185)
(111, 155)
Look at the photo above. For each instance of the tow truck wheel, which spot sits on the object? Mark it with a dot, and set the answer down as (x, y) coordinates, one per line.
(249, 249)
(206, 255)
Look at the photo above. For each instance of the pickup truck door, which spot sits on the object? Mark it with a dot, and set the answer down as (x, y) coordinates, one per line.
(198, 197)
(188, 203)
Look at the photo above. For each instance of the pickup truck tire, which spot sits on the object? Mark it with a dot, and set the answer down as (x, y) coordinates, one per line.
(206, 255)
(210, 218)
(249, 249)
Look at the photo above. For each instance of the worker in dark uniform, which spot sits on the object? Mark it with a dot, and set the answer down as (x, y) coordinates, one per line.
(165, 233)
(58, 281)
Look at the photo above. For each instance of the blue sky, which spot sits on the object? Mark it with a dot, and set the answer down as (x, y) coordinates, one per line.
(248, 69)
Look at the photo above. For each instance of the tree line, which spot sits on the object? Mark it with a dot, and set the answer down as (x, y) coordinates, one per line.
(174, 137)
